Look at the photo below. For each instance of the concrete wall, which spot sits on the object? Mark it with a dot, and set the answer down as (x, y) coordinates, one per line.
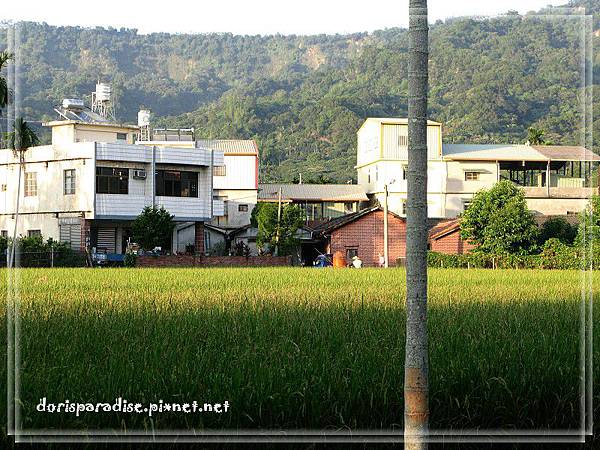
(233, 198)
(39, 212)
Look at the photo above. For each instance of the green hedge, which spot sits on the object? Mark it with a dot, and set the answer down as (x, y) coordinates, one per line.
(34, 252)
(554, 255)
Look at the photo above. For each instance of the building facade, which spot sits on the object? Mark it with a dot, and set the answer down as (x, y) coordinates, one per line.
(93, 180)
(555, 179)
(235, 182)
(320, 202)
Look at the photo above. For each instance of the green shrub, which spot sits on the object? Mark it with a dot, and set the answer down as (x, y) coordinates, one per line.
(554, 255)
(130, 260)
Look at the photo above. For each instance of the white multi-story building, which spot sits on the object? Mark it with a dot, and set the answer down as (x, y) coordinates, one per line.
(93, 180)
(235, 182)
(556, 179)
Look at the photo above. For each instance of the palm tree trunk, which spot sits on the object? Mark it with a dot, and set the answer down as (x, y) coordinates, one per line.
(13, 246)
(416, 371)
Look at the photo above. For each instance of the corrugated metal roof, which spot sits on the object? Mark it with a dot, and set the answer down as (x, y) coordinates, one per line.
(312, 192)
(229, 146)
(517, 152)
(395, 120)
(491, 152)
(566, 152)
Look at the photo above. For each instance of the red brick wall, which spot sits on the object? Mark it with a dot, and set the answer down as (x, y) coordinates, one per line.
(213, 261)
(451, 244)
(86, 226)
(199, 240)
(366, 234)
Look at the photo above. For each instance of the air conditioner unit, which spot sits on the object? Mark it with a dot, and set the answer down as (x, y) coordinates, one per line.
(139, 174)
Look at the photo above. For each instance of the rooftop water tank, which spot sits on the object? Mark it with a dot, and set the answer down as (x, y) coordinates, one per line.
(73, 104)
(144, 117)
(102, 92)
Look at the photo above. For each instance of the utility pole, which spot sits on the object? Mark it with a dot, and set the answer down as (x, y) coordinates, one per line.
(416, 366)
(278, 221)
(386, 257)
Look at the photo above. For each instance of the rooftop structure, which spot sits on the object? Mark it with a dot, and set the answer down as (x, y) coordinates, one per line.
(556, 180)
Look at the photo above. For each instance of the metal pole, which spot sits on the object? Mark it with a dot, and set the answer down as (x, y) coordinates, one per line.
(386, 259)
(278, 220)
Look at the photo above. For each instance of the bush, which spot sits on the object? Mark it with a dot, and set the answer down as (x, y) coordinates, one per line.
(554, 255)
(34, 252)
(559, 228)
(130, 260)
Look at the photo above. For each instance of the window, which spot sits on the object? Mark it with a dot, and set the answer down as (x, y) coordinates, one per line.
(206, 241)
(219, 171)
(4, 234)
(466, 204)
(243, 208)
(69, 181)
(175, 183)
(121, 136)
(471, 176)
(34, 233)
(30, 184)
(348, 207)
(112, 180)
(351, 253)
(404, 172)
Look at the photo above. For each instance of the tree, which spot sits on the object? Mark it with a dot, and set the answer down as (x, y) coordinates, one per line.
(416, 366)
(589, 224)
(535, 136)
(558, 228)
(153, 228)
(19, 140)
(282, 233)
(4, 91)
(498, 221)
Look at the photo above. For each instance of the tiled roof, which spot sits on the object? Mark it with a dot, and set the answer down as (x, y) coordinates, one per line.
(312, 192)
(230, 146)
(566, 153)
(443, 228)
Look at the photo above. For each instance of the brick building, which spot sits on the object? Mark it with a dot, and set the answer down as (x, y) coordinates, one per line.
(445, 238)
(361, 234)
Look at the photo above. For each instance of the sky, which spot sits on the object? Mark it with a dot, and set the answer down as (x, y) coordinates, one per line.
(253, 17)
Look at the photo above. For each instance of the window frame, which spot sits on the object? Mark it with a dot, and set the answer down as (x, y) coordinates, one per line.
(471, 175)
(243, 207)
(122, 137)
(117, 181)
(351, 252)
(220, 171)
(176, 183)
(30, 182)
(34, 233)
(70, 187)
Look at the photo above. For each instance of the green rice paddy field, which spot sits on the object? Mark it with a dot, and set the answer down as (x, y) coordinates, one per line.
(299, 348)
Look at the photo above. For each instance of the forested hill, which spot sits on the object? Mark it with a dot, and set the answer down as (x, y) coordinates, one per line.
(303, 97)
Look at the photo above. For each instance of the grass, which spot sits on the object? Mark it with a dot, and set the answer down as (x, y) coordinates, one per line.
(299, 348)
